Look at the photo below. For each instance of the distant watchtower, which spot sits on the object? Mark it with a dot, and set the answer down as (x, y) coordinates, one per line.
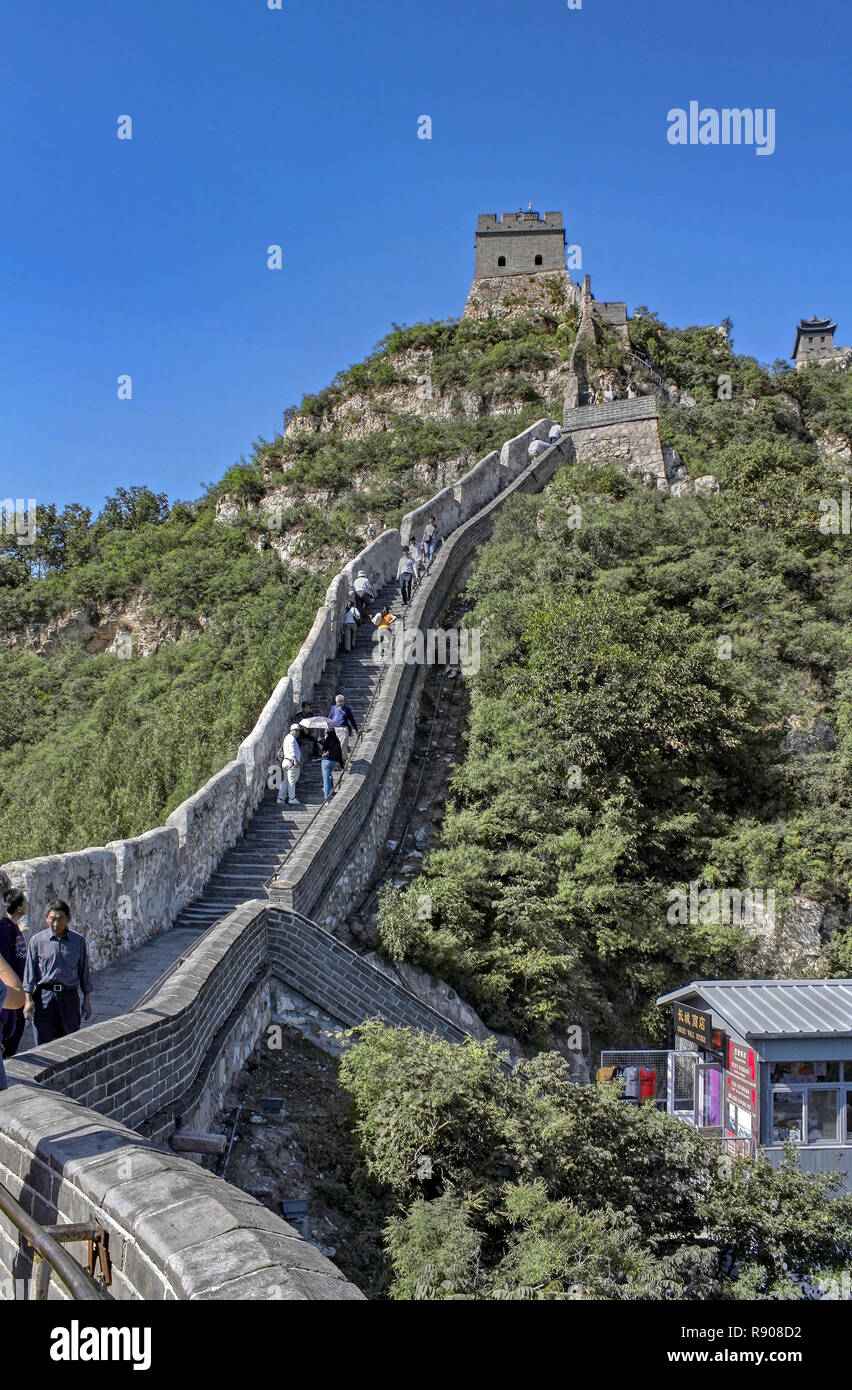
(519, 243)
(814, 341)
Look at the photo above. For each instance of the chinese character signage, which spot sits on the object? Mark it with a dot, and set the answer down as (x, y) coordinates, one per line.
(694, 1024)
(742, 1094)
(741, 1062)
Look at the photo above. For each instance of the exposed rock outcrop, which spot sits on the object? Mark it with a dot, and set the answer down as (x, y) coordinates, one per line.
(124, 630)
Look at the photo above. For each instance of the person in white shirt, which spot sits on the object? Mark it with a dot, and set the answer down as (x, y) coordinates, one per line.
(555, 434)
(364, 590)
(537, 447)
(291, 760)
(405, 575)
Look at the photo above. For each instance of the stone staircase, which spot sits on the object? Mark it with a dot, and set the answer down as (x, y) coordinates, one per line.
(274, 830)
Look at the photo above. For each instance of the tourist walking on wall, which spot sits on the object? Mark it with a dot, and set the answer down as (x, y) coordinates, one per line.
(332, 760)
(555, 434)
(364, 590)
(405, 577)
(307, 738)
(291, 767)
(13, 949)
(418, 555)
(431, 536)
(342, 720)
(350, 626)
(57, 969)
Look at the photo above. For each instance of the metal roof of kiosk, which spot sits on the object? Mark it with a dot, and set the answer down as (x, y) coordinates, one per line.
(775, 1008)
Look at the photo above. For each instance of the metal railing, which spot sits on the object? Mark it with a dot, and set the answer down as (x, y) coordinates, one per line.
(49, 1256)
(647, 364)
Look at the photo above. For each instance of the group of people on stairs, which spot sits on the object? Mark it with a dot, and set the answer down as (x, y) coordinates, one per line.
(312, 736)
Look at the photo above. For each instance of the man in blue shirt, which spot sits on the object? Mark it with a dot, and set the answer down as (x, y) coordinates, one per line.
(57, 968)
(342, 720)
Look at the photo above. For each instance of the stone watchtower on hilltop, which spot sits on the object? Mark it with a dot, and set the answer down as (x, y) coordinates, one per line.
(815, 343)
(519, 256)
(519, 243)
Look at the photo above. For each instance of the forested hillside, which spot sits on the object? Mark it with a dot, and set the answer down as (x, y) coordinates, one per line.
(665, 696)
(141, 644)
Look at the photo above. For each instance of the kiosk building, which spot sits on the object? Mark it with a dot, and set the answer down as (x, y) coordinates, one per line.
(758, 1063)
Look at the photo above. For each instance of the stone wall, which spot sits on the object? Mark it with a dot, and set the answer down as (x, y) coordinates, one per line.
(127, 891)
(84, 1119)
(499, 295)
(621, 432)
(332, 863)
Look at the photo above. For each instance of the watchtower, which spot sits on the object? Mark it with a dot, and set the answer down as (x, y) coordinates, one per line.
(519, 243)
(814, 341)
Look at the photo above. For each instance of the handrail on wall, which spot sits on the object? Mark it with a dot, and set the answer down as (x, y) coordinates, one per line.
(78, 1281)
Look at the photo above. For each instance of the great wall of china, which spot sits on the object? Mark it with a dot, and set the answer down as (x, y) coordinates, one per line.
(86, 1121)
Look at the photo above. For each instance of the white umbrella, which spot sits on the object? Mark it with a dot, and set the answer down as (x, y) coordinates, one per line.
(316, 721)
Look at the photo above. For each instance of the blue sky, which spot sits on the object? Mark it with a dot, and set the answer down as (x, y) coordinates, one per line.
(298, 127)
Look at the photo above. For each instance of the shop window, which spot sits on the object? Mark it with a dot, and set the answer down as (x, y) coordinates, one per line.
(804, 1073)
(848, 1134)
(822, 1117)
(788, 1116)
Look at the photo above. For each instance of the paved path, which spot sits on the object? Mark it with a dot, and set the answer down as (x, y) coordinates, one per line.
(243, 871)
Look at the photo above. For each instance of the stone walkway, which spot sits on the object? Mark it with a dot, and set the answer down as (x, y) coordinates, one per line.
(268, 839)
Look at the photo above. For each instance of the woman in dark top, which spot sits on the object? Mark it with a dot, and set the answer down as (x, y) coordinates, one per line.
(332, 759)
(13, 949)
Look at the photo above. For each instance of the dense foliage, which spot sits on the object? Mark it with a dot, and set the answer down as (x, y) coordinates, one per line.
(642, 656)
(521, 1185)
(94, 747)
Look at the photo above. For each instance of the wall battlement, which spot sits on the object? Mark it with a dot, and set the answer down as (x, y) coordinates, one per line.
(519, 243)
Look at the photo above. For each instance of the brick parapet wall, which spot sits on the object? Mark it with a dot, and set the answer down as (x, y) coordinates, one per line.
(71, 1147)
(176, 1231)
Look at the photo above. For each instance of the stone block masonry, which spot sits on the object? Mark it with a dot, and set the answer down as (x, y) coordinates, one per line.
(621, 432)
(519, 243)
(82, 1120)
(73, 1146)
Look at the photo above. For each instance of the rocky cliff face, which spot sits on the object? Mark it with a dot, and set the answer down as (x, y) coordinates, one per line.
(506, 295)
(414, 392)
(124, 630)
